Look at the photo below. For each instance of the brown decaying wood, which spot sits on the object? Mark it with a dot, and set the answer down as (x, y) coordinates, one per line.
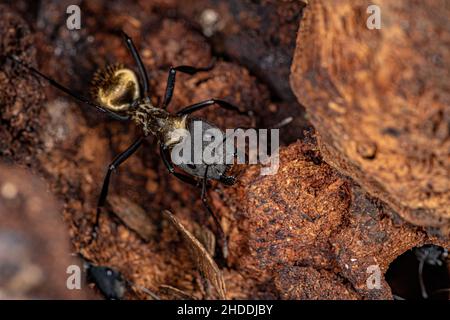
(380, 99)
(307, 223)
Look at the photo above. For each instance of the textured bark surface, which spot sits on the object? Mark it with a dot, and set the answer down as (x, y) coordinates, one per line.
(305, 233)
(380, 99)
(308, 221)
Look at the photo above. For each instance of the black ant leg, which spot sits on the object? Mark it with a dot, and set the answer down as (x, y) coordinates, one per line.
(187, 179)
(183, 177)
(68, 91)
(171, 80)
(138, 61)
(114, 165)
(201, 105)
(212, 213)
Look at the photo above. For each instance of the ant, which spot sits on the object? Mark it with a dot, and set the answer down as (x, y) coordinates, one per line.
(122, 96)
(110, 282)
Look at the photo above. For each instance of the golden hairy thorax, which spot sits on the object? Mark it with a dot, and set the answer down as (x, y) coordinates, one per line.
(115, 87)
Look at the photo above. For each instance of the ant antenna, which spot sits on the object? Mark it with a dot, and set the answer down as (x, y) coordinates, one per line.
(66, 90)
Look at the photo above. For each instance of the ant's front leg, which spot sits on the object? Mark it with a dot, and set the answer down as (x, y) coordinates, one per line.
(181, 176)
(204, 184)
(104, 193)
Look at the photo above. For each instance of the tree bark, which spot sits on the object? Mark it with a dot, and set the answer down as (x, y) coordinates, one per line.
(379, 99)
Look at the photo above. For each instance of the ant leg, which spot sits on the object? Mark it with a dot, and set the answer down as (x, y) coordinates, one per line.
(114, 164)
(207, 103)
(183, 177)
(171, 80)
(212, 213)
(188, 179)
(138, 61)
(68, 91)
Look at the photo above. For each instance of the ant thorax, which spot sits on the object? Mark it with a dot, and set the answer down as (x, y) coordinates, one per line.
(167, 127)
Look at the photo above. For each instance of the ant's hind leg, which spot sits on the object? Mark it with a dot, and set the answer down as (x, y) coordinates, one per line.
(138, 61)
(105, 188)
(189, 180)
(67, 91)
(171, 79)
(207, 103)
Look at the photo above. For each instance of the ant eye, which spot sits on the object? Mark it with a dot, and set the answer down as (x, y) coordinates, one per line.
(115, 87)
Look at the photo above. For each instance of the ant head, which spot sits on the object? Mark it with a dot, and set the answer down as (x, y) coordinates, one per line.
(115, 87)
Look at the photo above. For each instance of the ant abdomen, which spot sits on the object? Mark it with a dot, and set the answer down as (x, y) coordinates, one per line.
(115, 87)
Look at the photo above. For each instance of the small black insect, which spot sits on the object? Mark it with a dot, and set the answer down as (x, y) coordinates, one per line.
(120, 94)
(109, 282)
